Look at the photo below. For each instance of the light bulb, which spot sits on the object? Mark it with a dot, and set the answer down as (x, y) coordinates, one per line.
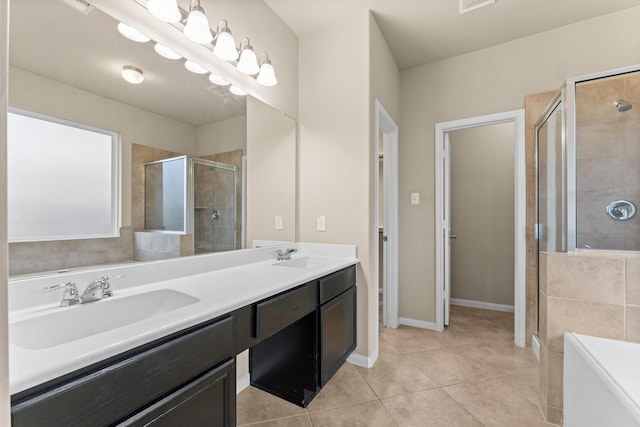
(132, 74)
(267, 75)
(164, 51)
(237, 91)
(197, 28)
(225, 46)
(213, 78)
(165, 10)
(132, 33)
(248, 63)
(195, 68)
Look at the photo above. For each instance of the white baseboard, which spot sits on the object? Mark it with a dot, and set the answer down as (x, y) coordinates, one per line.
(417, 323)
(242, 383)
(362, 360)
(535, 346)
(481, 304)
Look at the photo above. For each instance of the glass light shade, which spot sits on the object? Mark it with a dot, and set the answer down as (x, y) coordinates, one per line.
(237, 91)
(217, 80)
(195, 68)
(162, 50)
(132, 34)
(132, 74)
(248, 63)
(225, 46)
(165, 10)
(267, 75)
(197, 28)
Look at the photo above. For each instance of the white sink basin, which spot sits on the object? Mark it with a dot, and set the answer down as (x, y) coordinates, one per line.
(305, 262)
(80, 321)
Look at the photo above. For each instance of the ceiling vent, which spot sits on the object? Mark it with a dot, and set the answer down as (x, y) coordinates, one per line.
(469, 5)
(82, 6)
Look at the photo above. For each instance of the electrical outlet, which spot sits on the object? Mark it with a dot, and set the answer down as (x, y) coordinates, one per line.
(321, 223)
(415, 198)
(278, 222)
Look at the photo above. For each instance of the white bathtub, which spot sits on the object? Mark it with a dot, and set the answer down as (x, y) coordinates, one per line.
(601, 382)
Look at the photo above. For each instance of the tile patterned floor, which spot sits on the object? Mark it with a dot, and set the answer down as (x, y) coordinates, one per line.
(470, 375)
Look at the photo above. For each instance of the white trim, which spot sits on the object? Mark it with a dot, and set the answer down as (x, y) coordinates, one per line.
(517, 118)
(242, 383)
(535, 346)
(417, 323)
(362, 360)
(484, 305)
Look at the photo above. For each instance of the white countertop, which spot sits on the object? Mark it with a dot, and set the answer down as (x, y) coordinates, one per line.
(220, 291)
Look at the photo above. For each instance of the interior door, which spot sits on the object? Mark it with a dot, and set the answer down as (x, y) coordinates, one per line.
(448, 235)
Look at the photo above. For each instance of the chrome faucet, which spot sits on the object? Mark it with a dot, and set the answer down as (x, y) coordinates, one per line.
(98, 289)
(70, 296)
(284, 254)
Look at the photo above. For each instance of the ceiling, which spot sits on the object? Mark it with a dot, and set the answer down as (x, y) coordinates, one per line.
(423, 31)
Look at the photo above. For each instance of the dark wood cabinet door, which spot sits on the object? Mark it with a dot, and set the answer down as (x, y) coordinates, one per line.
(208, 401)
(337, 333)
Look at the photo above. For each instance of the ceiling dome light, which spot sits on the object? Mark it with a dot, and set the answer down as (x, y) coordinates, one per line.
(213, 78)
(132, 74)
(225, 47)
(248, 63)
(165, 10)
(237, 91)
(197, 28)
(132, 34)
(267, 75)
(162, 50)
(195, 68)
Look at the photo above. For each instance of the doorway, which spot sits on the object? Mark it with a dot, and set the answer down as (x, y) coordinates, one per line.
(386, 215)
(444, 233)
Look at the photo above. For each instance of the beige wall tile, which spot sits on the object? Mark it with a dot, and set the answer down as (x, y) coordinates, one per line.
(555, 415)
(555, 379)
(600, 138)
(535, 105)
(585, 277)
(583, 317)
(601, 174)
(542, 280)
(594, 99)
(632, 273)
(543, 324)
(633, 324)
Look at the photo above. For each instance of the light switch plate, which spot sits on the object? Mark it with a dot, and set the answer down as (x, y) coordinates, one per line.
(278, 222)
(321, 223)
(415, 198)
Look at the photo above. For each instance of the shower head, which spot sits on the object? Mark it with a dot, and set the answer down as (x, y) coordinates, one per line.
(622, 105)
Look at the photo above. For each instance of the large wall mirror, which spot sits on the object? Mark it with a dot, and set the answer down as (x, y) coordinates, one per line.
(66, 66)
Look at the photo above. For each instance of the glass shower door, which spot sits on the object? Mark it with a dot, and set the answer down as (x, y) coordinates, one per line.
(215, 206)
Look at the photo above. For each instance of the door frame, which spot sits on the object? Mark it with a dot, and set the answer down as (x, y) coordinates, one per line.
(516, 117)
(385, 125)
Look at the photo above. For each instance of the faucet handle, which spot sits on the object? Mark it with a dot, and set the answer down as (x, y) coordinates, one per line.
(70, 296)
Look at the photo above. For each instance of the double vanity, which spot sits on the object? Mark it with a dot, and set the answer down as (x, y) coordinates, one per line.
(162, 350)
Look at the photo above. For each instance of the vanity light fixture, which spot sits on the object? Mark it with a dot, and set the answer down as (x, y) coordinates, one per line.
(267, 75)
(195, 68)
(225, 47)
(165, 10)
(132, 33)
(164, 51)
(132, 74)
(248, 63)
(197, 27)
(237, 91)
(215, 79)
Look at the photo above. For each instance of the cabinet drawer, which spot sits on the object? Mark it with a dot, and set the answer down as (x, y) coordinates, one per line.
(114, 391)
(278, 312)
(336, 283)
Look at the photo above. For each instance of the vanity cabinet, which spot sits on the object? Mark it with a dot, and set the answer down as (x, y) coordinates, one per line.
(192, 368)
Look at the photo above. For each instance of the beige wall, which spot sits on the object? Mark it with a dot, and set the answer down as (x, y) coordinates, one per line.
(501, 77)
(482, 214)
(223, 136)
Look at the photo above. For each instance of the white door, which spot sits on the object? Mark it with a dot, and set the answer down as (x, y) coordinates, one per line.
(446, 229)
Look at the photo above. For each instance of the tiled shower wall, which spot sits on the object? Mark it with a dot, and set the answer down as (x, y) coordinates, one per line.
(608, 161)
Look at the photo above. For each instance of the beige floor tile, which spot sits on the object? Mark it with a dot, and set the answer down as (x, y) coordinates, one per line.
(406, 339)
(428, 408)
(394, 374)
(495, 403)
(255, 405)
(347, 387)
(525, 383)
(297, 421)
(447, 365)
(368, 414)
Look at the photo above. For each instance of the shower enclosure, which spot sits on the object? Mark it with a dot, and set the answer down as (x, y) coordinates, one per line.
(196, 197)
(588, 165)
